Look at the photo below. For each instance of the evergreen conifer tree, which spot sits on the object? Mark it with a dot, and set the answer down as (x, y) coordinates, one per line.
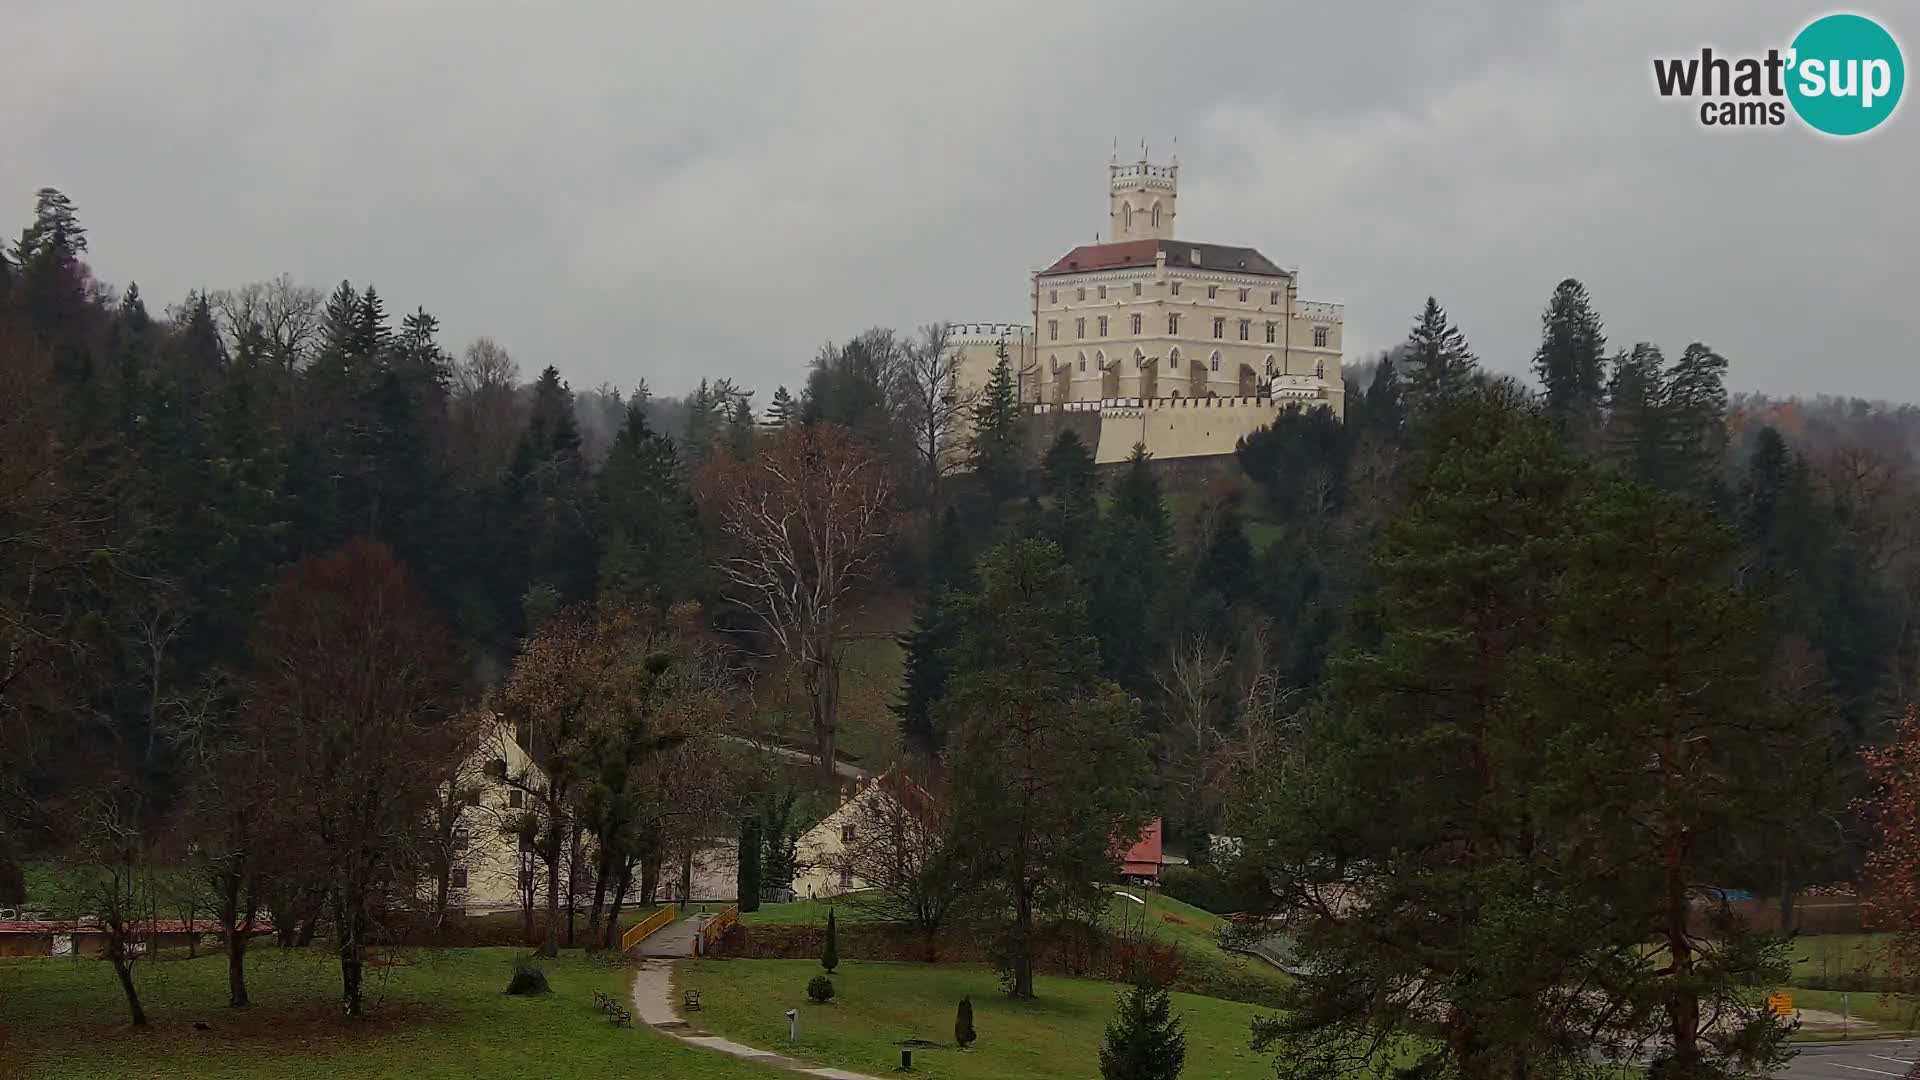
(1438, 361)
(748, 871)
(1145, 1040)
(830, 955)
(996, 436)
(963, 1034)
(1571, 364)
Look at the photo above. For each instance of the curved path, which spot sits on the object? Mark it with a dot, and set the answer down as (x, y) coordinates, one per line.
(653, 1004)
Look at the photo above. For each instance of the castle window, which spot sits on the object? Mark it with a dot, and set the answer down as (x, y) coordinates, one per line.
(461, 838)
(1176, 288)
(1243, 296)
(1319, 337)
(514, 799)
(1246, 327)
(1080, 293)
(1079, 328)
(1103, 326)
(1319, 369)
(1173, 360)
(1053, 296)
(1271, 328)
(1103, 292)
(1126, 215)
(1273, 297)
(1213, 363)
(847, 833)
(1053, 329)
(1136, 288)
(1156, 215)
(1219, 328)
(1136, 322)
(1213, 292)
(1083, 361)
(1173, 322)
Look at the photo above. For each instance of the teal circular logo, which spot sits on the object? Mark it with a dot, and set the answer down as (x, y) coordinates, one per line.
(1845, 74)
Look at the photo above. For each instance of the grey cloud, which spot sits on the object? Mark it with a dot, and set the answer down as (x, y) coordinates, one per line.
(672, 191)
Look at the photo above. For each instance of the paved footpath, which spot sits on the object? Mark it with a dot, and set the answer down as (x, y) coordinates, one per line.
(673, 941)
(653, 1004)
(1853, 1061)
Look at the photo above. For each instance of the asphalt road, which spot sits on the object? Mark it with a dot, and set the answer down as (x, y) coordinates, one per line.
(1854, 1061)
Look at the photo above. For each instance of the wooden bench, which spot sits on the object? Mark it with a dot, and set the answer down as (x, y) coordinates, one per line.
(618, 1015)
(692, 998)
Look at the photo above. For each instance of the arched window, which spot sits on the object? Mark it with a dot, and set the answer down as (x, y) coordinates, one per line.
(1176, 393)
(1213, 362)
(1083, 361)
(1319, 369)
(1156, 215)
(1173, 360)
(1273, 368)
(1126, 215)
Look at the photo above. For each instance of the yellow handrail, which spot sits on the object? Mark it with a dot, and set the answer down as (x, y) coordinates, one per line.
(638, 931)
(717, 927)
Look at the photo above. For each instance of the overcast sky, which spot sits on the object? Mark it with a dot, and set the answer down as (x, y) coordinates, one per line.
(669, 191)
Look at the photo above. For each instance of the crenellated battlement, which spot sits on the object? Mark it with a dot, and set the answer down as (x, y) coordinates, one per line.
(1314, 309)
(986, 333)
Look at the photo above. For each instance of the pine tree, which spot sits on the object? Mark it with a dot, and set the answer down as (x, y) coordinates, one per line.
(1046, 766)
(1067, 480)
(996, 436)
(648, 523)
(963, 1034)
(1571, 363)
(1145, 1040)
(1439, 364)
(783, 410)
(926, 642)
(830, 955)
(1124, 585)
(748, 879)
(1384, 410)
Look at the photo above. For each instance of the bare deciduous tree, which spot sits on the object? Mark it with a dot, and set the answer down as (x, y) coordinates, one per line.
(280, 318)
(895, 851)
(806, 523)
(935, 405)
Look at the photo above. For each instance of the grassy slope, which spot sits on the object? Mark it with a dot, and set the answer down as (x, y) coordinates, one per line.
(878, 1004)
(443, 1015)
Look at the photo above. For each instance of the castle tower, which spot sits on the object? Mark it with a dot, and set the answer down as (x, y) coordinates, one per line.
(1140, 199)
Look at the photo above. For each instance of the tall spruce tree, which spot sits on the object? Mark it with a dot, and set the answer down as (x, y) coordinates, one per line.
(1438, 362)
(1145, 1040)
(996, 436)
(650, 552)
(1571, 364)
(1073, 491)
(1124, 587)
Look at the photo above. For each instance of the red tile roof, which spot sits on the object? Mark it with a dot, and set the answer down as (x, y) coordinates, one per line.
(1181, 254)
(1143, 858)
(92, 926)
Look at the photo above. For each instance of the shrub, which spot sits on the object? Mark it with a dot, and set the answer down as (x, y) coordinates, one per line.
(1207, 890)
(528, 978)
(820, 989)
(963, 1024)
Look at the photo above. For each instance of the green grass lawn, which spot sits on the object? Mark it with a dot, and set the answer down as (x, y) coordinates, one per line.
(440, 1014)
(877, 1005)
(802, 913)
(1833, 955)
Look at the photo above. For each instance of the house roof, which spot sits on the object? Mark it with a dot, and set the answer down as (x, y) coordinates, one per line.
(1144, 857)
(1181, 254)
(90, 925)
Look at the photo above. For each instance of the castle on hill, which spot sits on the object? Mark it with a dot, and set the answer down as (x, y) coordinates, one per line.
(1181, 345)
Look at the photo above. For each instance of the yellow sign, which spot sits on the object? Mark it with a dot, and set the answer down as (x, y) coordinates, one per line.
(1780, 1004)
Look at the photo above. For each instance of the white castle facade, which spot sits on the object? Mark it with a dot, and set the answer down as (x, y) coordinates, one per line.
(1180, 345)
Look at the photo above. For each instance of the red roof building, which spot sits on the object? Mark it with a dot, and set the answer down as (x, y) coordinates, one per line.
(1142, 861)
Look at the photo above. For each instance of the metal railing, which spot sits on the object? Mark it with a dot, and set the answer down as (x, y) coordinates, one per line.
(717, 927)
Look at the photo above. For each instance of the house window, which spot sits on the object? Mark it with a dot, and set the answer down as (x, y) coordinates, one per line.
(1080, 293)
(1176, 288)
(1079, 328)
(526, 881)
(1053, 329)
(1103, 292)
(1246, 327)
(847, 833)
(846, 878)
(1173, 360)
(1319, 337)
(1053, 296)
(1103, 326)
(1083, 361)
(1219, 328)
(1214, 364)
(1213, 292)
(515, 798)
(473, 796)
(1136, 288)
(526, 849)
(1243, 296)
(460, 839)
(1273, 297)
(1272, 328)
(457, 879)
(1136, 322)
(1173, 323)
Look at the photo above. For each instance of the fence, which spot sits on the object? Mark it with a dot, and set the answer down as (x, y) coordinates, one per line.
(639, 931)
(717, 927)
